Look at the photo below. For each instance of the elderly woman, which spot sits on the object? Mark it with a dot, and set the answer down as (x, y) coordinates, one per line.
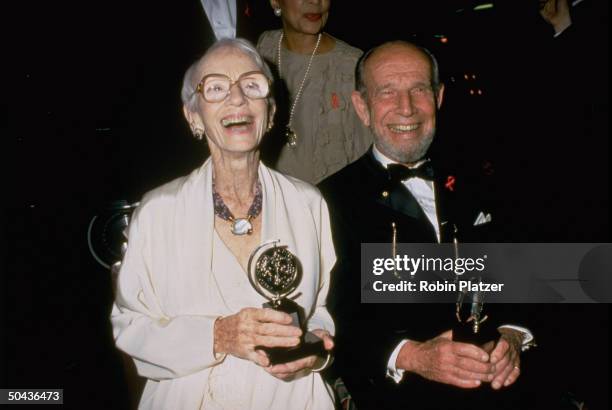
(185, 309)
(322, 133)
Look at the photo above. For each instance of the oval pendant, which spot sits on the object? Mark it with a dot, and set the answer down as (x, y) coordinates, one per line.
(291, 137)
(242, 226)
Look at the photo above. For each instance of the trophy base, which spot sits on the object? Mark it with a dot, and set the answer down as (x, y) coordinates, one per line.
(310, 343)
(464, 332)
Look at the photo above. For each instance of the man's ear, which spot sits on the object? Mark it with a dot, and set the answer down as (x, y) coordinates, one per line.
(440, 95)
(361, 108)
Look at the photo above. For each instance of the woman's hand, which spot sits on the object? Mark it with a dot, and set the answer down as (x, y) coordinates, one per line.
(287, 371)
(241, 333)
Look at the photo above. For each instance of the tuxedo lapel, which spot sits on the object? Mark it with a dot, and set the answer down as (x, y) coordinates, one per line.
(392, 194)
(401, 200)
(444, 207)
(457, 212)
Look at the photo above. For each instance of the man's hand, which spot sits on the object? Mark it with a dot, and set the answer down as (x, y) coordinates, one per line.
(442, 360)
(288, 371)
(506, 356)
(556, 13)
(240, 333)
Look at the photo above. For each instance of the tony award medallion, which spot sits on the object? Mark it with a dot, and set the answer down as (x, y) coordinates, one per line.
(274, 272)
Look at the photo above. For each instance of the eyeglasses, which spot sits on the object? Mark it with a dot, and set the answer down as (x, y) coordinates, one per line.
(217, 87)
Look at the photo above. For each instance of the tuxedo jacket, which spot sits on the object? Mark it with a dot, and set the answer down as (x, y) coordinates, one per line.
(363, 203)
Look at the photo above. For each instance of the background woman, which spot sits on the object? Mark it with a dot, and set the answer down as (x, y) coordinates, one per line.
(320, 131)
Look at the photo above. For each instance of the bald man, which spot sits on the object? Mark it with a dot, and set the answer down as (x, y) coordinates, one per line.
(403, 355)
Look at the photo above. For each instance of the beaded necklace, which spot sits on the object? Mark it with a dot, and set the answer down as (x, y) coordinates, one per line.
(240, 226)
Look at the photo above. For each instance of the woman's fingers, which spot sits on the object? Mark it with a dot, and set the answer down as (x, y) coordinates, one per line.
(274, 341)
(273, 329)
(259, 357)
(269, 315)
(250, 328)
(286, 371)
(328, 341)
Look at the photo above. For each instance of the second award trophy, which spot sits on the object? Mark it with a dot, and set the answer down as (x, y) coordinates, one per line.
(470, 317)
(274, 272)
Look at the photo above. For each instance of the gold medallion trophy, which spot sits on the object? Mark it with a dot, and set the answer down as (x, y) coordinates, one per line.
(274, 272)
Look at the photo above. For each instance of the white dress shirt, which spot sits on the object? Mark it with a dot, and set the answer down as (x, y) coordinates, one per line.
(424, 193)
(222, 17)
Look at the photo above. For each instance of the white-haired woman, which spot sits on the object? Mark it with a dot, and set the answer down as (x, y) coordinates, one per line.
(185, 310)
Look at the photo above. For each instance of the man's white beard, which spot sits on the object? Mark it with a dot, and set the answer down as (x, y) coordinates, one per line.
(416, 153)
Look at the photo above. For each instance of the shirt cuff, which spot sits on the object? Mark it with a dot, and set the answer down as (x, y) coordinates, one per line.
(561, 30)
(393, 372)
(527, 335)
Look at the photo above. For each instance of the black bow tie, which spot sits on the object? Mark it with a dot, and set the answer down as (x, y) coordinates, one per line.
(398, 172)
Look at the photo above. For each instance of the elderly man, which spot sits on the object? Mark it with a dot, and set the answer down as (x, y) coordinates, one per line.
(400, 356)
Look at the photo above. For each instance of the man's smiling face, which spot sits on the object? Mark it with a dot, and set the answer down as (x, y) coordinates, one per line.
(400, 103)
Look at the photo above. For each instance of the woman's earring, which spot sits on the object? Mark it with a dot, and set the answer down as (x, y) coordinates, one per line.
(278, 12)
(198, 133)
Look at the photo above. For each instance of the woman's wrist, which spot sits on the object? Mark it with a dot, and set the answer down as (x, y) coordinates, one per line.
(217, 348)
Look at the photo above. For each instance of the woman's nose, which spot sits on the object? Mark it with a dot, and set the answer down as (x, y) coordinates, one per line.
(236, 96)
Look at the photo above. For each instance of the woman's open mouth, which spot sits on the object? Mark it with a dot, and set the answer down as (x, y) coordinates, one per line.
(237, 121)
(313, 16)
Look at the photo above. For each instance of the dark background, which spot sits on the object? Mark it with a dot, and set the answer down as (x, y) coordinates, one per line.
(80, 132)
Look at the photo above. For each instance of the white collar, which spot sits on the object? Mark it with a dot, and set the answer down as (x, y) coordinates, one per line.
(385, 161)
